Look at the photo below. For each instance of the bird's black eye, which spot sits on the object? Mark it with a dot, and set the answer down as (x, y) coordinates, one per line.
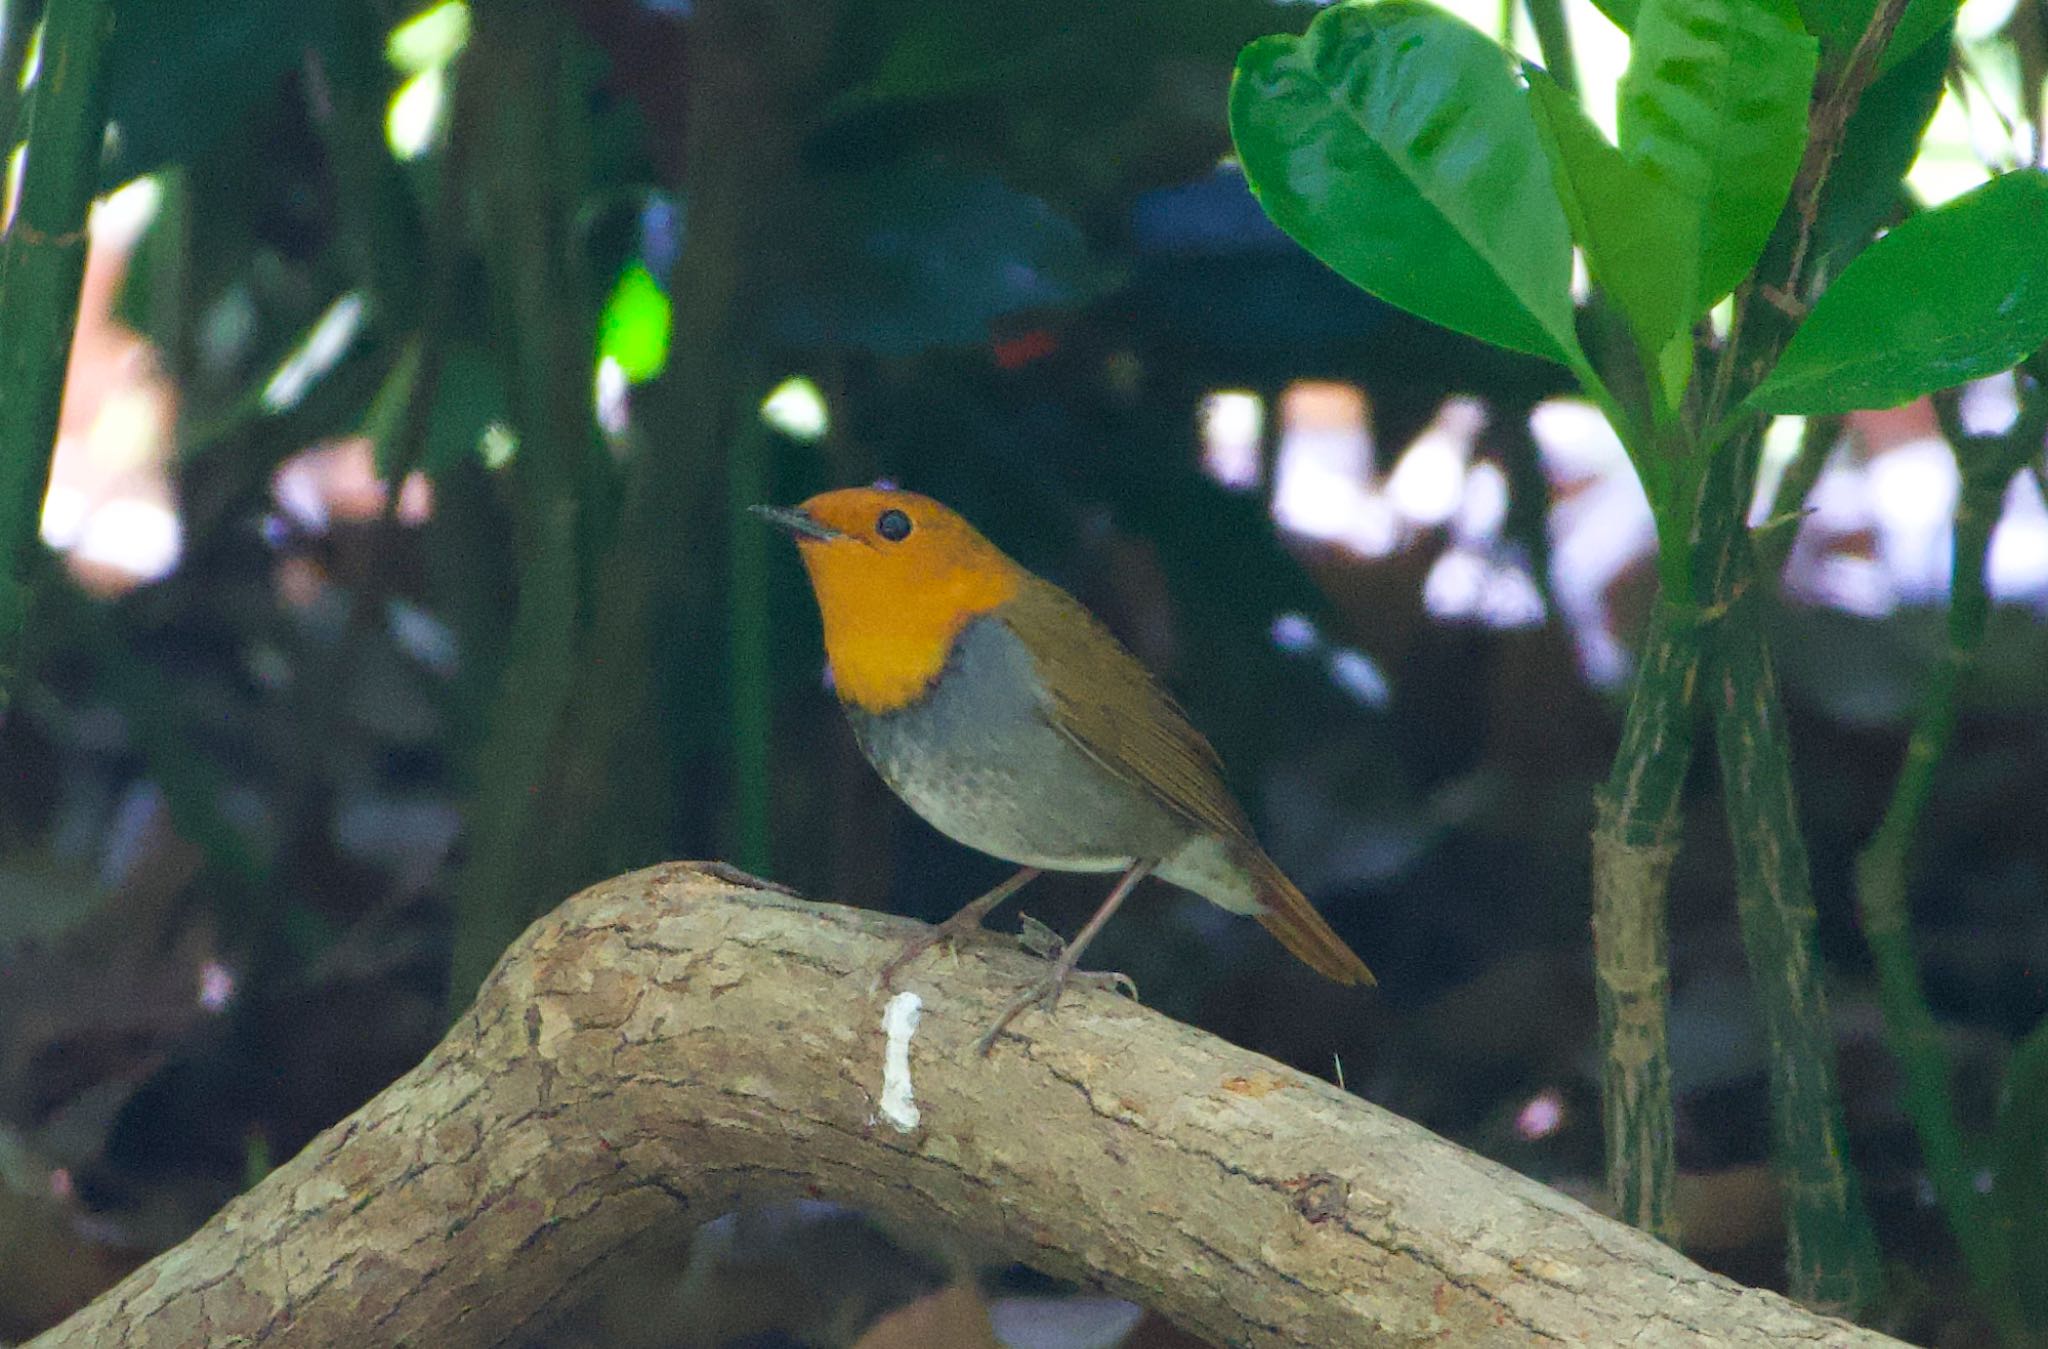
(893, 525)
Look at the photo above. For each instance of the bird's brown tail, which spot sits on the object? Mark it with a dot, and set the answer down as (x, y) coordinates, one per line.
(1289, 916)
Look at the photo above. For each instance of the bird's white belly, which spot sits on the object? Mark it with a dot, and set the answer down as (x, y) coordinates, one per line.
(988, 820)
(992, 823)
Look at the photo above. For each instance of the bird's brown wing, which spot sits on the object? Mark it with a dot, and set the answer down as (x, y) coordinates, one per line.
(1106, 702)
(1099, 696)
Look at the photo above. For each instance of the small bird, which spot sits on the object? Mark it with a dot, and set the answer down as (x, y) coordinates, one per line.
(1002, 712)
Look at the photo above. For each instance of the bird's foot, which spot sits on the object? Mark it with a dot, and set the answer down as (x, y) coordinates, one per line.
(1045, 995)
(962, 926)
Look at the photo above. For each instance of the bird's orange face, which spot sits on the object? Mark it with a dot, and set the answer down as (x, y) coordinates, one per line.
(897, 577)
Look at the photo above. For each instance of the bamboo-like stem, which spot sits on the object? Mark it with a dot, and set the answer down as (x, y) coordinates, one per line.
(1831, 1254)
(1636, 831)
(527, 157)
(18, 20)
(1635, 841)
(42, 262)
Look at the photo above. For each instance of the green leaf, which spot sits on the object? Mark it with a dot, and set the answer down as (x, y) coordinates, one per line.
(1713, 106)
(1839, 23)
(1621, 13)
(1393, 143)
(1865, 189)
(633, 329)
(1626, 221)
(1951, 295)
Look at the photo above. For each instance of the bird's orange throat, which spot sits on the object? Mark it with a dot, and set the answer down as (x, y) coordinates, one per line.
(888, 638)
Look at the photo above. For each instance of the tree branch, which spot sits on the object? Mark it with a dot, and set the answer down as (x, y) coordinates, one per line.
(671, 1042)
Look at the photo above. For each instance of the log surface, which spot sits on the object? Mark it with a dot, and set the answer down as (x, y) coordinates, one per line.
(673, 1041)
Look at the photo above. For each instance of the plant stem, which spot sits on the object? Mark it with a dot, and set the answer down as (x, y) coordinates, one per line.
(1831, 1248)
(18, 20)
(1554, 40)
(528, 159)
(1883, 872)
(1831, 1254)
(2020, 1180)
(748, 483)
(1635, 841)
(1881, 896)
(1780, 530)
(42, 262)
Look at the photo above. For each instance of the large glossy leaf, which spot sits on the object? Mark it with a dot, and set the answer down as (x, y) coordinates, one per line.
(1951, 295)
(1713, 106)
(1630, 225)
(1393, 143)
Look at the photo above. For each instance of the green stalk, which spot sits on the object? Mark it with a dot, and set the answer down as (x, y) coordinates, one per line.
(516, 80)
(1635, 841)
(1775, 538)
(1881, 896)
(748, 483)
(18, 19)
(2020, 1188)
(1831, 1249)
(1554, 40)
(1883, 869)
(42, 261)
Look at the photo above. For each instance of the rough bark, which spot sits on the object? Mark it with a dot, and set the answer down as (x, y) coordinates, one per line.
(672, 1041)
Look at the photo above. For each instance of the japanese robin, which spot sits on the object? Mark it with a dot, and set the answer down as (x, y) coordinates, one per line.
(1002, 712)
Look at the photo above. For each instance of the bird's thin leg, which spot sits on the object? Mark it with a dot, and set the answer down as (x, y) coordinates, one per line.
(1046, 992)
(965, 923)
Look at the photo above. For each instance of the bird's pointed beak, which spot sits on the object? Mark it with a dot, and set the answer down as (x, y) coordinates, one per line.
(796, 523)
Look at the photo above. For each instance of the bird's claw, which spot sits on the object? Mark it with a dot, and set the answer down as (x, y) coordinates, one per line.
(949, 933)
(1045, 995)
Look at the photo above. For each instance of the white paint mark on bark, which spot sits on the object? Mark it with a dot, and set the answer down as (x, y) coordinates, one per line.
(899, 1023)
